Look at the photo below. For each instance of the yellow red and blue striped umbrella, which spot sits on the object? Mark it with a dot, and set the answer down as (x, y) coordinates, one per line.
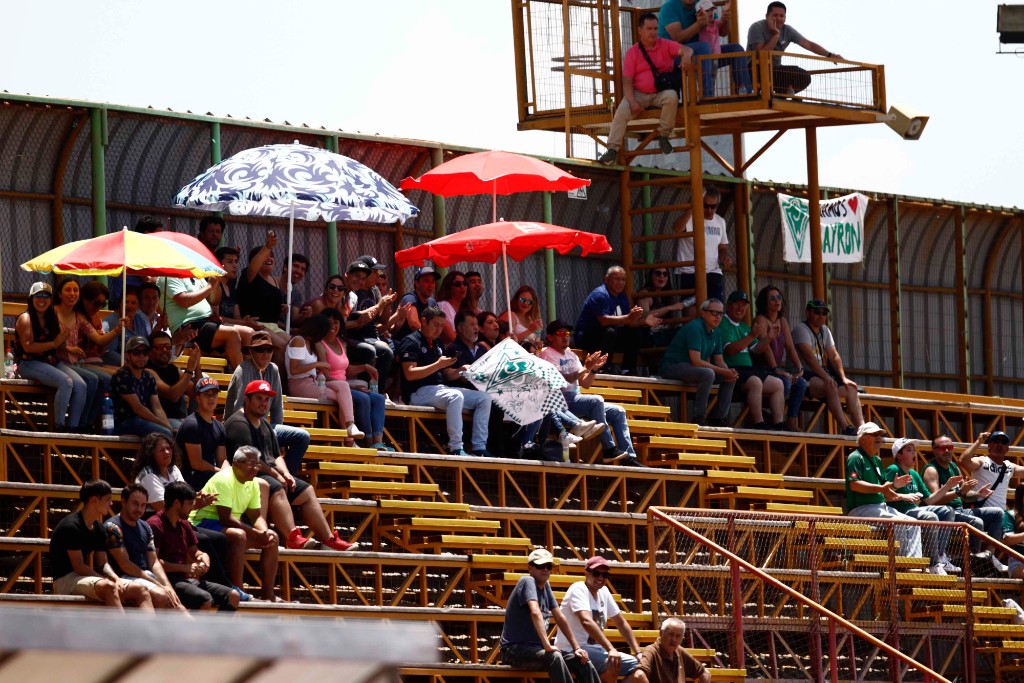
(125, 251)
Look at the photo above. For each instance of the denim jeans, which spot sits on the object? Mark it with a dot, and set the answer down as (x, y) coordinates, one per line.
(795, 389)
(908, 536)
(593, 407)
(452, 400)
(97, 384)
(295, 441)
(71, 389)
(559, 665)
(740, 66)
(139, 427)
(369, 411)
(935, 540)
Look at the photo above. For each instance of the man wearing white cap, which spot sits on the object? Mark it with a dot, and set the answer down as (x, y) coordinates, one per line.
(524, 636)
(918, 502)
(588, 606)
(868, 491)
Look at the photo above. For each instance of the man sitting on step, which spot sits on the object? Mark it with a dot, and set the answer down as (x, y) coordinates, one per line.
(643, 64)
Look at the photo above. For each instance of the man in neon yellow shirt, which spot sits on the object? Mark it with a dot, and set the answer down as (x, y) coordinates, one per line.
(236, 513)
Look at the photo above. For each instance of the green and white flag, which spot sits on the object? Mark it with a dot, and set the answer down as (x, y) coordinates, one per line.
(526, 387)
(842, 228)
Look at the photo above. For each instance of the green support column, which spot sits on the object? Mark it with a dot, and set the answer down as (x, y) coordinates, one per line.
(549, 264)
(752, 253)
(98, 130)
(648, 221)
(436, 159)
(331, 143)
(215, 158)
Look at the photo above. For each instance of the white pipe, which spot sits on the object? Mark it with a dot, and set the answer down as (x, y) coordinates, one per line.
(288, 273)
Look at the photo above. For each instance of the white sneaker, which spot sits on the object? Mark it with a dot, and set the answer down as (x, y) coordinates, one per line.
(354, 432)
(948, 566)
(388, 403)
(569, 440)
(936, 569)
(595, 430)
(582, 428)
(999, 566)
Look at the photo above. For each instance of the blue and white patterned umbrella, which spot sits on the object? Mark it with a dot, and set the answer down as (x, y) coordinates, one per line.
(296, 180)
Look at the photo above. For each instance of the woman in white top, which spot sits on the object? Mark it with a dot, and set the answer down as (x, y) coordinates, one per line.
(524, 321)
(156, 466)
(305, 371)
(449, 299)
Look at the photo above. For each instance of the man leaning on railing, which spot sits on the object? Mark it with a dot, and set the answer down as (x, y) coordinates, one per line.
(774, 34)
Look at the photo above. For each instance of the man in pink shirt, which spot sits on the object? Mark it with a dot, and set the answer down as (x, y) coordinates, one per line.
(639, 90)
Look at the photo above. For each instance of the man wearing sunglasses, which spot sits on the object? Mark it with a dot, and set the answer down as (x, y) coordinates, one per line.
(524, 636)
(716, 247)
(695, 357)
(133, 389)
(827, 378)
(588, 606)
(258, 366)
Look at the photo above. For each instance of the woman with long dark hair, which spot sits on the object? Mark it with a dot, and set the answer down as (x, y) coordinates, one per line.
(659, 305)
(37, 339)
(781, 355)
(305, 370)
(524, 318)
(449, 299)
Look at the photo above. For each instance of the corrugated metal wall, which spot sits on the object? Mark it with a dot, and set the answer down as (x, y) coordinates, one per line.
(46, 169)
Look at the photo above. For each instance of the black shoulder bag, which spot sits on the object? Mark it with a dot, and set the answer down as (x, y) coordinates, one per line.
(663, 80)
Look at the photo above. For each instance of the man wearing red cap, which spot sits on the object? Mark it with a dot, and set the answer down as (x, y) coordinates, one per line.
(249, 427)
(588, 606)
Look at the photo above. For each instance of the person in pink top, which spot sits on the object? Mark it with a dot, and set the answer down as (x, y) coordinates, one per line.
(638, 86)
(367, 405)
(305, 370)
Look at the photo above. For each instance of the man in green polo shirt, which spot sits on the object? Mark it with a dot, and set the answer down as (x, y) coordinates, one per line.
(757, 385)
(918, 502)
(868, 491)
(695, 357)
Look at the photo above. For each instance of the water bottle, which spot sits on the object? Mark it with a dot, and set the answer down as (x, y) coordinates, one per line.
(373, 386)
(107, 413)
(9, 366)
(321, 387)
(565, 451)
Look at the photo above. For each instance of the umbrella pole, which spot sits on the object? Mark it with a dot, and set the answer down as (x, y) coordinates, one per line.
(494, 266)
(288, 273)
(124, 295)
(508, 297)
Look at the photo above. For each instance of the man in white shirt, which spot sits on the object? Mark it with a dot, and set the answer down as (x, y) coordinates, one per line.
(588, 606)
(716, 248)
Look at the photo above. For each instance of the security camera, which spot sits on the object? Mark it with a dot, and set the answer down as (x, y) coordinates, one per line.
(907, 123)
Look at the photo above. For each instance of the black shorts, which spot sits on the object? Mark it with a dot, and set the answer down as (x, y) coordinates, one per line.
(194, 594)
(206, 329)
(276, 486)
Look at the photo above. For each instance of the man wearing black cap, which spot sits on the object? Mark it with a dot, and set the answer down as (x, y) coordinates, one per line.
(827, 379)
(993, 470)
(364, 346)
(414, 302)
(590, 406)
(739, 341)
(133, 389)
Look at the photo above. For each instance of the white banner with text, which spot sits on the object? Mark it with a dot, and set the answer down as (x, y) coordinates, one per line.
(842, 228)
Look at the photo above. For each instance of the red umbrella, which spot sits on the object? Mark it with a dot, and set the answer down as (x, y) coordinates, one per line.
(494, 173)
(187, 241)
(515, 239)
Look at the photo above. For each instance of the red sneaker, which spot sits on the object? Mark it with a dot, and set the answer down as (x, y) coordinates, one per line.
(296, 541)
(336, 543)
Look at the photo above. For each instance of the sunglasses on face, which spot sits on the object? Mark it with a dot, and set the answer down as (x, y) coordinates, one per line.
(43, 295)
(161, 347)
(659, 273)
(99, 302)
(526, 302)
(547, 565)
(563, 333)
(262, 349)
(138, 352)
(943, 448)
(774, 297)
(335, 288)
(601, 575)
(820, 311)
(717, 314)
(459, 283)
